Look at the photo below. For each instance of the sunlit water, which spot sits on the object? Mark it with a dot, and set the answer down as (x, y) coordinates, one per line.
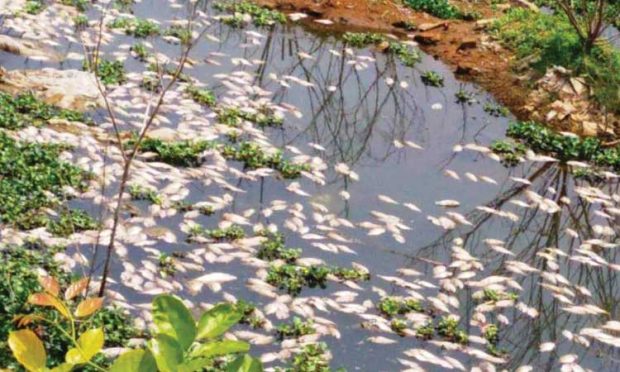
(358, 124)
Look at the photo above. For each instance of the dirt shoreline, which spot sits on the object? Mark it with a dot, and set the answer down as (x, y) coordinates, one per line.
(463, 45)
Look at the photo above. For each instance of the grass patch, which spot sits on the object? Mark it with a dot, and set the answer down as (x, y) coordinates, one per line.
(109, 72)
(438, 8)
(136, 27)
(547, 40)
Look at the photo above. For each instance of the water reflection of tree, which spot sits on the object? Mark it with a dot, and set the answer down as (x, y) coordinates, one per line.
(526, 238)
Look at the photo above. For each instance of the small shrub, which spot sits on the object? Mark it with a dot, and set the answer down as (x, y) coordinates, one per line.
(431, 78)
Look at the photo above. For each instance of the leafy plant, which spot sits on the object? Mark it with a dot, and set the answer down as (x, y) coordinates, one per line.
(140, 51)
(201, 96)
(431, 78)
(448, 328)
(463, 96)
(311, 358)
(362, 39)
(179, 343)
(182, 33)
(438, 8)
(261, 17)
(26, 109)
(295, 329)
(109, 72)
(496, 110)
(138, 192)
(34, 6)
(27, 347)
(392, 306)
(137, 27)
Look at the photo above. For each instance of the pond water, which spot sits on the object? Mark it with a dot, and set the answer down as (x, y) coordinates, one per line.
(364, 122)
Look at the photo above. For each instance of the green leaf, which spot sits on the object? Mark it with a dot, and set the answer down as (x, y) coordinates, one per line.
(218, 320)
(172, 318)
(245, 363)
(167, 352)
(89, 344)
(218, 348)
(134, 361)
(28, 349)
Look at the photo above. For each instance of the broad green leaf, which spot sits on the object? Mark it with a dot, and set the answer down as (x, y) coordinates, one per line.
(28, 349)
(50, 285)
(89, 344)
(88, 306)
(46, 299)
(245, 363)
(217, 320)
(76, 288)
(172, 318)
(217, 348)
(65, 367)
(167, 352)
(197, 364)
(135, 361)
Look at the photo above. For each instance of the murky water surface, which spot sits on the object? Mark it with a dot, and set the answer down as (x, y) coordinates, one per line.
(361, 123)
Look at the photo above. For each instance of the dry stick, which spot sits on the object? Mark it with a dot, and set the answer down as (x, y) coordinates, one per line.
(127, 166)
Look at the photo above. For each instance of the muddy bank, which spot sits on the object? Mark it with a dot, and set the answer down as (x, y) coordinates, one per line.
(471, 53)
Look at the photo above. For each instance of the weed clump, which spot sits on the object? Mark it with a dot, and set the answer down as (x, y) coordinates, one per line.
(109, 72)
(295, 329)
(261, 17)
(136, 27)
(432, 78)
(438, 8)
(25, 109)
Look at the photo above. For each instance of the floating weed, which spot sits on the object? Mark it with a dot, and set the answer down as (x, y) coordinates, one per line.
(295, 329)
(182, 153)
(140, 51)
(248, 310)
(25, 109)
(253, 157)
(182, 33)
(81, 5)
(432, 78)
(80, 21)
(109, 72)
(201, 95)
(231, 233)
(311, 358)
(293, 278)
(71, 221)
(261, 17)
(273, 248)
(407, 55)
(264, 117)
(426, 332)
(398, 326)
(494, 296)
(496, 110)
(392, 306)
(448, 328)
(511, 153)
(32, 177)
(344, 273)
(150, 83)
(463, 96)
(136, 27)
(362, 39)
(491, 334)
(166, 265)
(138, 192)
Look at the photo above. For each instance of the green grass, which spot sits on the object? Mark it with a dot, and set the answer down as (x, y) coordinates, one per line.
(549, 40)
(25, 109)
(438, 8)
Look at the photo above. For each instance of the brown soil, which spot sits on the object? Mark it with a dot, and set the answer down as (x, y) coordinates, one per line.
(463, 45)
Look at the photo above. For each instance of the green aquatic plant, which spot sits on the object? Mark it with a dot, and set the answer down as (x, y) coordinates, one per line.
(295, 329)
(136, 27)
(426, 332)
(109, 72)
(81, 5)
(26, 109)
(448, 328)
(407, 55)
(253, 157)
(392, 306)
(248, 310)
(398, 326)
(80, 21)
(150, 82)
(201, 95)
(261, 16)
(140, 51)
(180, 32)
(463, 96)
(311, 358)
(494, 296)
(432, 78)
(293, 278)
(32, 178)
(166, 264)
(496, 110)
(264, 117)
(273, 248)
(510, 152)
(362, 39)
(353, 274)
(138, 192)
(182, 153)
(230, 233)
(71, 221)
